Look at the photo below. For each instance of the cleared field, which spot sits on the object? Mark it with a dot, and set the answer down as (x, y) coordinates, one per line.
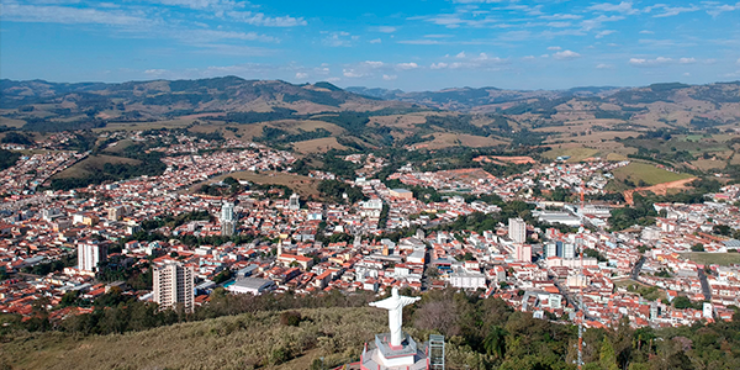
(11, 122)
(407, 121)
(446, 139)
(120, 146)
(723, 259)
(665, 188)
(303, 185)
(91, 165)
(648, 173)
(136, 126)
(321, 145)
(576, 154)
(708, 164)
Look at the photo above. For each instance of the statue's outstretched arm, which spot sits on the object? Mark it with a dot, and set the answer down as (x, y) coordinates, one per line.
(408, 300)
(387, 303)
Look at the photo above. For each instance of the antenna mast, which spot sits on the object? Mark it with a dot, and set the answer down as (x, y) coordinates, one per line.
(580, 315)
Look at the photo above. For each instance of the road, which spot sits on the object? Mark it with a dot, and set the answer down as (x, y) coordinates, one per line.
(705, 286)
(635, 275)
(566, 293)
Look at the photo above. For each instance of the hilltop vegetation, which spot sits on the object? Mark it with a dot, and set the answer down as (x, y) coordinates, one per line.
(260, 333)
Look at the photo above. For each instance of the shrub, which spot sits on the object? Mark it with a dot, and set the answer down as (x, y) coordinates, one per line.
(291, 318)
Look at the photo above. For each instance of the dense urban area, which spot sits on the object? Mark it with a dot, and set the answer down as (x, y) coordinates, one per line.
(544, 236)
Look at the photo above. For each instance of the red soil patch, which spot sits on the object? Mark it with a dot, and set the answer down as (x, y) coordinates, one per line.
(659, 189)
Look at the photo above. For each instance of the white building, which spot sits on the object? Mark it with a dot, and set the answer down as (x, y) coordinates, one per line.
(252, 286)
(294, 202)
(173, 286)
(228, 219)
(517, 230)
(89, 255)
(468, 280)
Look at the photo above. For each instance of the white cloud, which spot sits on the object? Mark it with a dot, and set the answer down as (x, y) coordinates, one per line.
(590, 24)
(259, 19)
(460, 55)
(566, 54)
(553, 48)
(301, 75)
(351, 73)
(623, 7)
(646, 32)
(717, 9)
(560, 17)
(384, 29)
(68, 15)
(604, 33)
(529, 57)
(738, 61)
(559, 24)
(333, 79)
(642, 62)
(389, 77)
(687, 60)
(155, 72)
(339, 39)
(669, 11)
(438, 66)
(420, 42)
(373, 64)
(604, 66)
(204, 36)
(406, 66)
(200, 4)
(375, 41)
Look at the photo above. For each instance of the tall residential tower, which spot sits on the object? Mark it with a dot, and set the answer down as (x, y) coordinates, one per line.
(173, 285)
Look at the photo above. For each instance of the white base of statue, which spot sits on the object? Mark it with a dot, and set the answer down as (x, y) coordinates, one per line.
(385, 356)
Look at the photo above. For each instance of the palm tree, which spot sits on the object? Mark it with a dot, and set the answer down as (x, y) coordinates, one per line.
(495, 342)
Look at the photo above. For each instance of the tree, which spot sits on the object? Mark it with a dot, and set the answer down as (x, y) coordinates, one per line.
(495, 342)
(698, 247)
(607, 357)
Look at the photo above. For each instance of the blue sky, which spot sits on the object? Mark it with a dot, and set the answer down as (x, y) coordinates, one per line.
(404, 44)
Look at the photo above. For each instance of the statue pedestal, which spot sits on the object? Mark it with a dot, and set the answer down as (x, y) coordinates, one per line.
(385, 356)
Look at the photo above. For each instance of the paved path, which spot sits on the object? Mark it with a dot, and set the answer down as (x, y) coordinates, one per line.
(705, 286)
(635, 275)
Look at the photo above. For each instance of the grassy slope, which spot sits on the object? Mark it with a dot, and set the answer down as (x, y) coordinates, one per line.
(304, 185)
(648, 173)
(236, 342)
(92, 164)
(723, 259)
(576, 154)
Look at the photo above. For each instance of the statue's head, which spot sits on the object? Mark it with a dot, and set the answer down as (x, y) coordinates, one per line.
(394, 292)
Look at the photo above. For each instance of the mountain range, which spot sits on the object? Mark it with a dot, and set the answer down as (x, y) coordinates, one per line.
(658, 105)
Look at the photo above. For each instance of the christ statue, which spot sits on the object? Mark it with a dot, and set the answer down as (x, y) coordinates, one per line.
(394, 304)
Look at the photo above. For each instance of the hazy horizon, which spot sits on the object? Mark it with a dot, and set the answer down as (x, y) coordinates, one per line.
(412, 46)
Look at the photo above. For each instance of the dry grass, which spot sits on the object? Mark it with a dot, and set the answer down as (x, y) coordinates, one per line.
(446, 139)
(576, 154)
(236, 342)
(406, 121)
(723, 259)
(648, 173)
(303, 185)
(321, 145)
(91, 165)
(11, 122)
(137, 126)
(708, 164)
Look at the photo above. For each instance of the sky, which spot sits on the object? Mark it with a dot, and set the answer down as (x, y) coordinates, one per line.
(403, 44)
